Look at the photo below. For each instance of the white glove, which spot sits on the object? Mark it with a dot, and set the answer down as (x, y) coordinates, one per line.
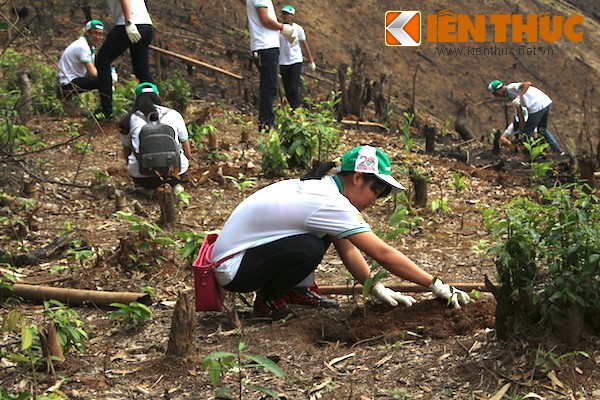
(390, 297)
(312, 66)
(455, 297)
(290, 34)
(132, 33)
(516, 101)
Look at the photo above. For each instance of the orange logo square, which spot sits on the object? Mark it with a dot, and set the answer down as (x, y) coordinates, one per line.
(403, 28)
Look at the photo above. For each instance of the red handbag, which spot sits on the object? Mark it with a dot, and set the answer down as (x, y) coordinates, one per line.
(209, 294)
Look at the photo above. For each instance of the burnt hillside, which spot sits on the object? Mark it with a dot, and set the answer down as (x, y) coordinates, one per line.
(215, 32)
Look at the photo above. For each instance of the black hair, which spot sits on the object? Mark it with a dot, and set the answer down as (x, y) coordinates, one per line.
(145, 103)
(318, 171)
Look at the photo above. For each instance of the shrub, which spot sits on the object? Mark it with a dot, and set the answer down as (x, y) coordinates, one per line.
(548, 254)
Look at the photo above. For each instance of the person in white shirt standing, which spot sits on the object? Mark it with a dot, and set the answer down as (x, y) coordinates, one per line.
(133, 30)
(76, 69)
(291, 58)
(264, 44)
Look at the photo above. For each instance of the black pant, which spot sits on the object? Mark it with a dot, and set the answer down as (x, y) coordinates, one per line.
(274, 268)
(290, 76)
(114, 45)
(267, 61)
(155, 181)
(79, 85)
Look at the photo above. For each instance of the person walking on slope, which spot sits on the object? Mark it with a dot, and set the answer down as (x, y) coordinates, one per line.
(133, 30)
(275, 239)
(291, 58)
(264, 44)
(537, 104)
(76, 69)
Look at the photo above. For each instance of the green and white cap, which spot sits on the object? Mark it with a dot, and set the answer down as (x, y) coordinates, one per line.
(94, 24)
(369, 160)
(288, 9)
(495, 85)
(145, 87)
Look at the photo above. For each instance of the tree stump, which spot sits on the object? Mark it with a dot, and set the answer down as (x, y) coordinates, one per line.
(120, 200)
(496, 145)
(430, 133)
(51, 348)
(23, 105)
(182, 337)
(461, 124)
(356, 96)
(166, 199)
(420, 185)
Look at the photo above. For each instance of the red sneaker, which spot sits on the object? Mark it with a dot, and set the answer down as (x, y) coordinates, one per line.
(276, 308)
(310, 296)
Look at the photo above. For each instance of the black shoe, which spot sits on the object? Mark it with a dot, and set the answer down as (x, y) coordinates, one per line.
(101, 116)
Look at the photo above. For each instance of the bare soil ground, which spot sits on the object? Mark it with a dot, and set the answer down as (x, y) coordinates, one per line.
(359, 351)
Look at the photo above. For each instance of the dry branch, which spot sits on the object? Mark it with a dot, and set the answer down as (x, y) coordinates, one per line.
(196, 62)
(74, 296)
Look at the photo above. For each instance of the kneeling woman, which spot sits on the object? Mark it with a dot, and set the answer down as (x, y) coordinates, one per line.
(274, 240)
(147, 102)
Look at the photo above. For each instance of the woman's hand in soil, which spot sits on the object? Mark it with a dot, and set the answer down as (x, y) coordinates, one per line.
(388, 296)
(455, 297)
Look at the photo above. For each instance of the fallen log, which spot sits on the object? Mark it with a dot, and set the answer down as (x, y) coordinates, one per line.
(406, 287)
(74, 297)
(194, 61)
(364, 123)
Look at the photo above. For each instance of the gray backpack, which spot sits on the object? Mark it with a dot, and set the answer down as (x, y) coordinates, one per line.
(159, 150)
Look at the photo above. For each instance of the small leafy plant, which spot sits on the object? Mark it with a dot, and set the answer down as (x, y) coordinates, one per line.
(218, 364)
(405, 137)
(132, 314)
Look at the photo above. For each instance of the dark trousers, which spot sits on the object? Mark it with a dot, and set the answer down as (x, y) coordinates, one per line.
(267, 62)
(274, 268)
(114, 45)
(79, 85)
(155, 181)
(539, 120)
(290, 76)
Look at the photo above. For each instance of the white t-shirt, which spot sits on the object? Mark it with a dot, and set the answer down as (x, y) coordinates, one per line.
(167, 116)
(287, 208)
(261, 38)
(139, 12)
(534, 99)
(71, 62)
(289, 55)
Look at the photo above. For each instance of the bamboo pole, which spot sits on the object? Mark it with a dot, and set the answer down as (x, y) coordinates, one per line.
(194, 61)
(75, 296)
(407, 287)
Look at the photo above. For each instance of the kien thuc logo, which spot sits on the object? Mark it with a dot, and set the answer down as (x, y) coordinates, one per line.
(403, 28)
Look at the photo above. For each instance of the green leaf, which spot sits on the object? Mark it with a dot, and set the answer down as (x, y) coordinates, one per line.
(268, 364)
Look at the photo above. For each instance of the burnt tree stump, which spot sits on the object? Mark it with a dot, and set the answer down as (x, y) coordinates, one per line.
(461, 124)
(430, 133)
(356, 95)
(182, 337)
(496, 145)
